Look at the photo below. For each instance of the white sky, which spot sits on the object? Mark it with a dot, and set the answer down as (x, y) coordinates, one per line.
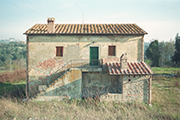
(160, 18)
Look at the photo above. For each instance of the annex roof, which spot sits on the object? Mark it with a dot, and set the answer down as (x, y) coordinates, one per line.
(87, 29)
(134, 68)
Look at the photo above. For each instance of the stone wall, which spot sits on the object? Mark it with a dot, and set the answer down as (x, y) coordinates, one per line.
(135, 88)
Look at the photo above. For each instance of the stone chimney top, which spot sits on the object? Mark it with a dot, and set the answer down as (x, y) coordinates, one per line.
(50, 24)
(123, 61)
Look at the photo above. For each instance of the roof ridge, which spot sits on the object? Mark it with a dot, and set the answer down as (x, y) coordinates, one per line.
(114, 28)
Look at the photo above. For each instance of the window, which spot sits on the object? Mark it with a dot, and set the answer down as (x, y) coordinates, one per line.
(112, 51)
(59, 51)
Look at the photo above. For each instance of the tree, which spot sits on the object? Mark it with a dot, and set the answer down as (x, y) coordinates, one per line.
(176, 57)
(10, 52)
(167, 51)
(153, 53)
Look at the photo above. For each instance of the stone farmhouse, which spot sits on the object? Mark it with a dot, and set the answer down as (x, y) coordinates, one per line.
(87, 60)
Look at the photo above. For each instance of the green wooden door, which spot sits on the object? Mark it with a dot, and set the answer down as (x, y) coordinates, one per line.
(94, 56)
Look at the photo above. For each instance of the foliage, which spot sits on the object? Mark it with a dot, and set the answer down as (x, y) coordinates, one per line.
(148, 62)
(153, 53)
(146, 45)
(167, 51)
(176, 57)
(10, 54)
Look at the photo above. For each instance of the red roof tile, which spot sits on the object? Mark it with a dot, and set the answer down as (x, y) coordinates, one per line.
(133, 68)
(87, 29)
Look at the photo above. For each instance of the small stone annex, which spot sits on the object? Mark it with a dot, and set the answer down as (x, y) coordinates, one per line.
(87, 60)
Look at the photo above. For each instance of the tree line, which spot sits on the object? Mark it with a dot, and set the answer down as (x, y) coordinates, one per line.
(163, 53)
(12, 55)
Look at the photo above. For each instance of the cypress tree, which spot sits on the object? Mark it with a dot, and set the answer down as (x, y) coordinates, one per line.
(153, 53)
(176, 57)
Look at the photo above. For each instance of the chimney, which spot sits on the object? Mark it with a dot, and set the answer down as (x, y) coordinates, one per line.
(123, 61)
(50, 24)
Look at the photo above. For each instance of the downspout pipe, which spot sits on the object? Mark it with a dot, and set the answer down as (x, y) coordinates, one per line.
(27, 74)
(142, 48)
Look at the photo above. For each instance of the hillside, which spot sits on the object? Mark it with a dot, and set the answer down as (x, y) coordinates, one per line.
(12, 40)
(12, 55)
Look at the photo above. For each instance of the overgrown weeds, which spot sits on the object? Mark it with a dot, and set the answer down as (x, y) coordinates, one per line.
(69, 109)
(165, 105)
(82, 109)
(177, 84)
(15, 76)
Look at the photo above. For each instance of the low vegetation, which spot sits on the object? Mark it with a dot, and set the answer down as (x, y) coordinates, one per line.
(14, 76)
(166, 70)
(16, 89)
(165, 105)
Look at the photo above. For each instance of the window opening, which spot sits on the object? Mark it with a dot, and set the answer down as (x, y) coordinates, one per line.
(112, 51)
(59, 51)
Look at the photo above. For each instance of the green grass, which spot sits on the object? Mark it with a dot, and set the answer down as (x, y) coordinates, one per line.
(166, 97)
(165, 70)
(12, 89)
(2, 71)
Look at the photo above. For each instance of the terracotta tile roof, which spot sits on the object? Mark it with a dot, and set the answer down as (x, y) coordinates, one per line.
(134, 68)
(87, 29)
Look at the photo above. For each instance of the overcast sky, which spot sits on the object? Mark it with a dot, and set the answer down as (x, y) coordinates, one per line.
(160, 18)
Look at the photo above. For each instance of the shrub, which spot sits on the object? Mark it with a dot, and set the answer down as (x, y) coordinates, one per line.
(15, 76)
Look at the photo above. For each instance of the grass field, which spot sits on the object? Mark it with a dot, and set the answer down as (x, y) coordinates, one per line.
(12, 89)
(165, 70)
(165, 105)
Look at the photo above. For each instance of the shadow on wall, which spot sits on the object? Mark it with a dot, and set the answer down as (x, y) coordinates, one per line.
(75, 90)
(42, 80)
(97, 84)
(70, 90)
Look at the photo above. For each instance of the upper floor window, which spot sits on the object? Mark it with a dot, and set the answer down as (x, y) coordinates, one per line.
(112, 51)
(59, 51)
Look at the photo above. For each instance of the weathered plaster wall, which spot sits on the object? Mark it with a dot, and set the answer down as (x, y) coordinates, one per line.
(42, 60)
(79, 44)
